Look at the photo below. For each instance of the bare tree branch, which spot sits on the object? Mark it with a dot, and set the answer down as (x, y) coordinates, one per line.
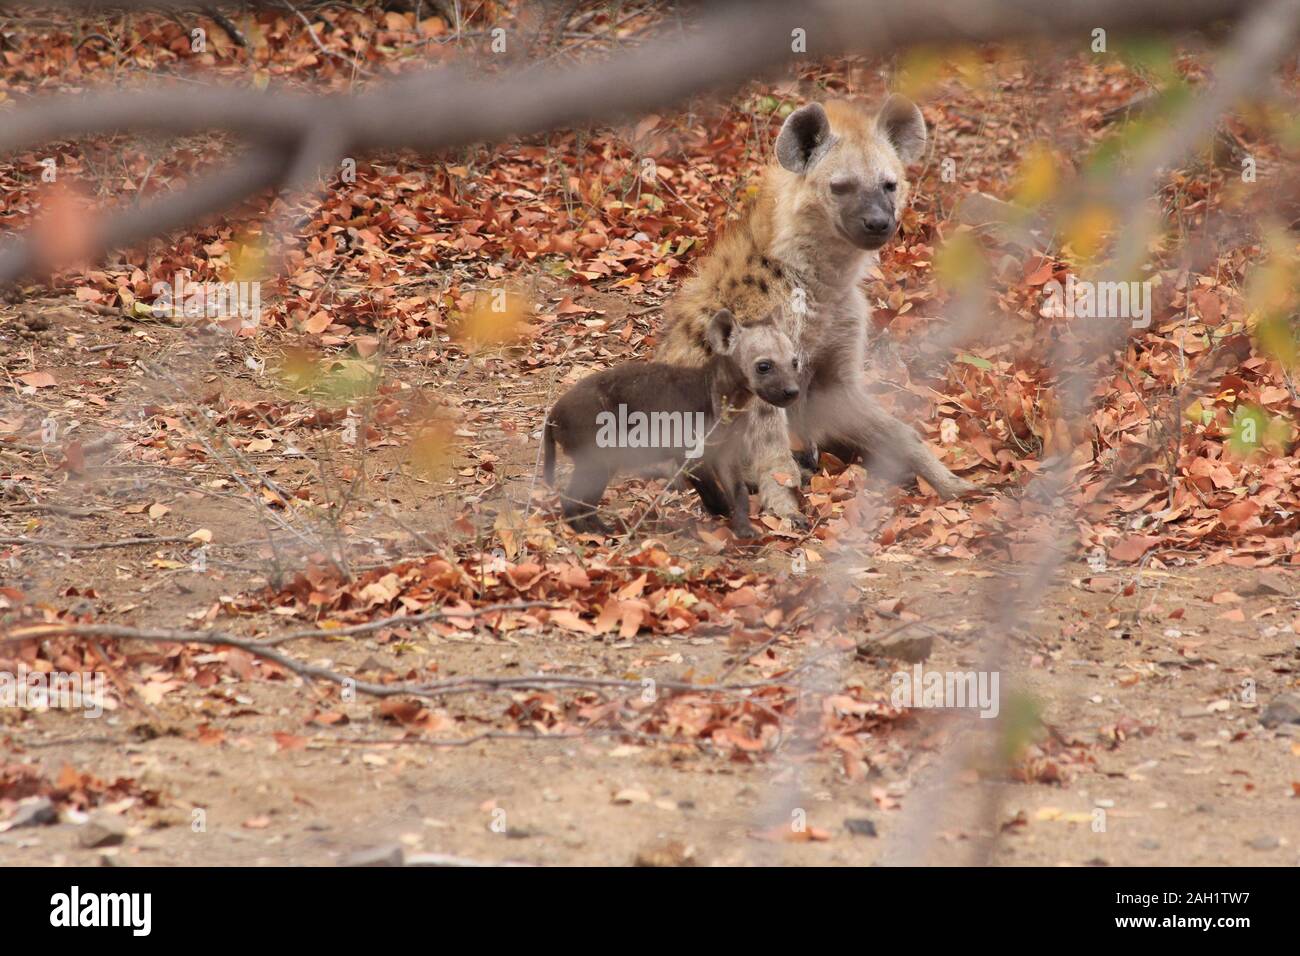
(446, 108)
(440, 688)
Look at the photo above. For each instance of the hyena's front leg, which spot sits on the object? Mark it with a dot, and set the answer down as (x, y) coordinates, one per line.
(767, 450)
(850, 419)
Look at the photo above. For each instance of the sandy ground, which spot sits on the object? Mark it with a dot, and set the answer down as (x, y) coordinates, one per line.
(1152, 695)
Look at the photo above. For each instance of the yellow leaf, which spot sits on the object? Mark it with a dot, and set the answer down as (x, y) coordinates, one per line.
(299, 368)
(919, 71)
(1038, 178)
(1087, 229)
(431, 449)
(959, 261)
(496, 318)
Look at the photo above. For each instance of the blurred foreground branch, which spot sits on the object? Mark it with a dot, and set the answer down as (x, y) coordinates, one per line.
(294, 137)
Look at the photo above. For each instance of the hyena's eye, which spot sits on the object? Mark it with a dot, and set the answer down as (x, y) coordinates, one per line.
(763, 368)
(890, 186)
(796, 362)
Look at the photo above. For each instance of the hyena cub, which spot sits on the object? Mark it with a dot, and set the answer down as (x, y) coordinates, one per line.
(646, 413)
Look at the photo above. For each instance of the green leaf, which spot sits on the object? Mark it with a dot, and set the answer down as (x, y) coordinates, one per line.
(976, 361)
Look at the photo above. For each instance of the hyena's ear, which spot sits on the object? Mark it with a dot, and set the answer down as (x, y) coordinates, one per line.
(804, 136)
(722, 331)
(904, 126)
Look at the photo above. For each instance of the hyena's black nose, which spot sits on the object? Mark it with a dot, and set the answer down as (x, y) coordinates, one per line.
(876, 224)
(792, 391)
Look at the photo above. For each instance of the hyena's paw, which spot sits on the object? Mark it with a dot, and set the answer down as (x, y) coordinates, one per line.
(590, 524)
(778, 499)
(954, 487)
(800, 522)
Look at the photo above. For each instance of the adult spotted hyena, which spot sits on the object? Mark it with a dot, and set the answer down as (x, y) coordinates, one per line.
(824, 209)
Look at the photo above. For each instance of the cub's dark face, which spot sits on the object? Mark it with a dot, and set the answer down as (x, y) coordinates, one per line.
(763, 354)
(851, 165)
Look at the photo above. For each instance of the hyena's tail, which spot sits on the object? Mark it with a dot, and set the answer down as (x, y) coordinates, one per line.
(548, 450)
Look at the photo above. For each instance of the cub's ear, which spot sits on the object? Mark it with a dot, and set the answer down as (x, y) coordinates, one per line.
(722, 331)
(803, 138)
(904, 126)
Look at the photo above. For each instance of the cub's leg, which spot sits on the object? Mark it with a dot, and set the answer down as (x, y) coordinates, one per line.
(582, 497)
(741, 526)
(849, 419)
(705, 483)
(767, 453)
(731, 477)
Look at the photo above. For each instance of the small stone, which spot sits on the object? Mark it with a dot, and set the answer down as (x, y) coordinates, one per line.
(103, 829)
(34, 812)
(1284, 709)
(1272, 581)
(1265, 843)
(860, 827)
(631, 795)
(389, 855)
(442, 859)
(908, 648)
(666, 853)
